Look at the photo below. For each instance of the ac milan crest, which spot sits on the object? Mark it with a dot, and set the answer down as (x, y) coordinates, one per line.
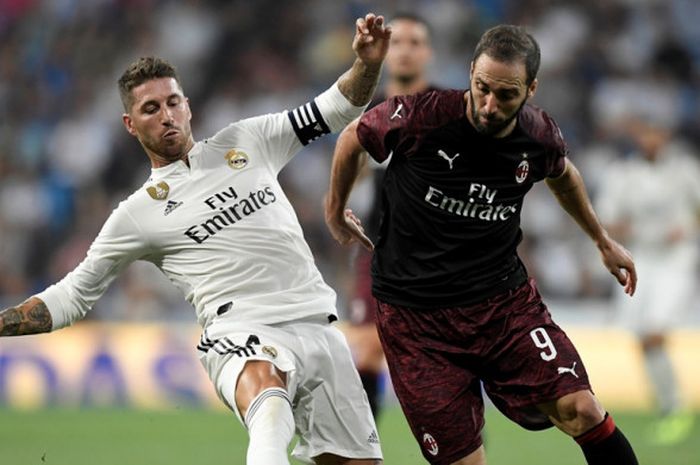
(522, 170)
(430, 444)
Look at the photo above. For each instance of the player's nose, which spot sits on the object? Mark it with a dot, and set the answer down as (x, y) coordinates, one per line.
(490, 104)
(166, 115)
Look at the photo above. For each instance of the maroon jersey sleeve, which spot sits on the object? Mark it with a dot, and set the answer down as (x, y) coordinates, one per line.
(545, 130)
(400, 122)
(381, 126)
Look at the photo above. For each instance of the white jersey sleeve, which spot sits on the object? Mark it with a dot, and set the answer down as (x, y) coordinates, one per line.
(118, 244)
(282, 135)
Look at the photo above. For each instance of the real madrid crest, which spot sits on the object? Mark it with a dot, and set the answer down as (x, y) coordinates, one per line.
(236, 159)
(159, 191)
(523, 169)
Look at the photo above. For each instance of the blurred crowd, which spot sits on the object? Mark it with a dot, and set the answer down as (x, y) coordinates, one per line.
(66, 160)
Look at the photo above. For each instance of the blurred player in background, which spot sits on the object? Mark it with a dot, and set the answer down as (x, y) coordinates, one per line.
(651, 203)
(407, 61)
(455, 304)
(214, 219)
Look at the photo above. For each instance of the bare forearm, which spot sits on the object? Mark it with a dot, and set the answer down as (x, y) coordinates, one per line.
(30, 317)
(359, 82)
(348, 161)
(570, 191)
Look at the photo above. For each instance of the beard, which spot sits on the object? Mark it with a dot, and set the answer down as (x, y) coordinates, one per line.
(170, 150)
(493, 128)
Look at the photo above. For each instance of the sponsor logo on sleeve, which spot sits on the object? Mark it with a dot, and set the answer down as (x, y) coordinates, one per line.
(397, 113)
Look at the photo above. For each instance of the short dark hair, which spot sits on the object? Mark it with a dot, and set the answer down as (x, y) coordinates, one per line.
(142, 70)
(509, 43)
(406, 16)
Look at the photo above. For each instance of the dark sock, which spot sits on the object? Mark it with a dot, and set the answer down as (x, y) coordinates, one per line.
(605, 444)
(370, 381)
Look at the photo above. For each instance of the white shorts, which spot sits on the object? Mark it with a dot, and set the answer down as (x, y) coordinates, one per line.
(331, 410)
(664, 292)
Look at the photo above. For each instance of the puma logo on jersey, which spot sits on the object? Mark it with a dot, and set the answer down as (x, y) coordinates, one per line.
(171, 205)
(397, 113)
(562, 370)
(449, 159)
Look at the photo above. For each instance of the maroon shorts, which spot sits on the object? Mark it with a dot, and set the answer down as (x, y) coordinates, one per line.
(439, 358)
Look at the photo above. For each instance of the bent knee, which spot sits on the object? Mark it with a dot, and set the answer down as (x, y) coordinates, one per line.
(577, 413)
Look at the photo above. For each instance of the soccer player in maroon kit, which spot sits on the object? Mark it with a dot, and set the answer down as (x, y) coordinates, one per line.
(455, 304)
(406, 66)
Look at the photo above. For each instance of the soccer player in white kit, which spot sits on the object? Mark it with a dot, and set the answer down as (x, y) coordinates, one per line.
(651, 202)
(213, 217)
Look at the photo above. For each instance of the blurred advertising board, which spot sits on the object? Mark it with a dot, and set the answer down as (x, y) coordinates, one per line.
(150, 365)
(155, 365)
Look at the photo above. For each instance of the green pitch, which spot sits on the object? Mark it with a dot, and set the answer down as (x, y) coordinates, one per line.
(194, 437)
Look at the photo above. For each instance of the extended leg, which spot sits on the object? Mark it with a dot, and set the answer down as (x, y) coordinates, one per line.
(263, 402)
(581, 416)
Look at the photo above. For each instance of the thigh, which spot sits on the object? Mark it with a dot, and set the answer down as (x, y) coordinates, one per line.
(532, 361)
(332, 413)
(439, 395)
(256, 376)
(226, 355)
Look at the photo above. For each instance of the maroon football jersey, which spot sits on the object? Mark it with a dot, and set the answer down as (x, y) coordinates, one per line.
(451, 197)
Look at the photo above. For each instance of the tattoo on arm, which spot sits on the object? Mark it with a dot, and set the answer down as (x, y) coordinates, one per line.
(359, 82)
(30, 317)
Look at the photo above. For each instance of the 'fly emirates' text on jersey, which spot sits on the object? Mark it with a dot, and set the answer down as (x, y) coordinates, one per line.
(452, 197)
(221, 229)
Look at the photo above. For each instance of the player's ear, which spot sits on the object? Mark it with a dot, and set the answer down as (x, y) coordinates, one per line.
(532, 88)
(128, 124)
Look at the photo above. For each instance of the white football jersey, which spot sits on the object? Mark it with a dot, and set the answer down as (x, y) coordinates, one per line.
(655, 198)
(221, 229)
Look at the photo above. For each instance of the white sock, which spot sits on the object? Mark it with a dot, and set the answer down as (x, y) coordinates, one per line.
(663, 379)
(270, 426)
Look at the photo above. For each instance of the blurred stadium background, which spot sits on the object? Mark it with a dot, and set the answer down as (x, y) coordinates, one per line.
(66, 161)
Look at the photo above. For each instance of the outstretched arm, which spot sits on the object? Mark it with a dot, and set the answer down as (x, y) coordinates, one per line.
(29, 317)
(570, 192)
(370, 44)
(348, 160)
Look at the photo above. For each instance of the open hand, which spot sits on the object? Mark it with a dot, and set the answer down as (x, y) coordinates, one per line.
(371, 40)
(348, 229)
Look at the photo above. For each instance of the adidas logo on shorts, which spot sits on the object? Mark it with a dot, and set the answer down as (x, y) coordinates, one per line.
(373, 438)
